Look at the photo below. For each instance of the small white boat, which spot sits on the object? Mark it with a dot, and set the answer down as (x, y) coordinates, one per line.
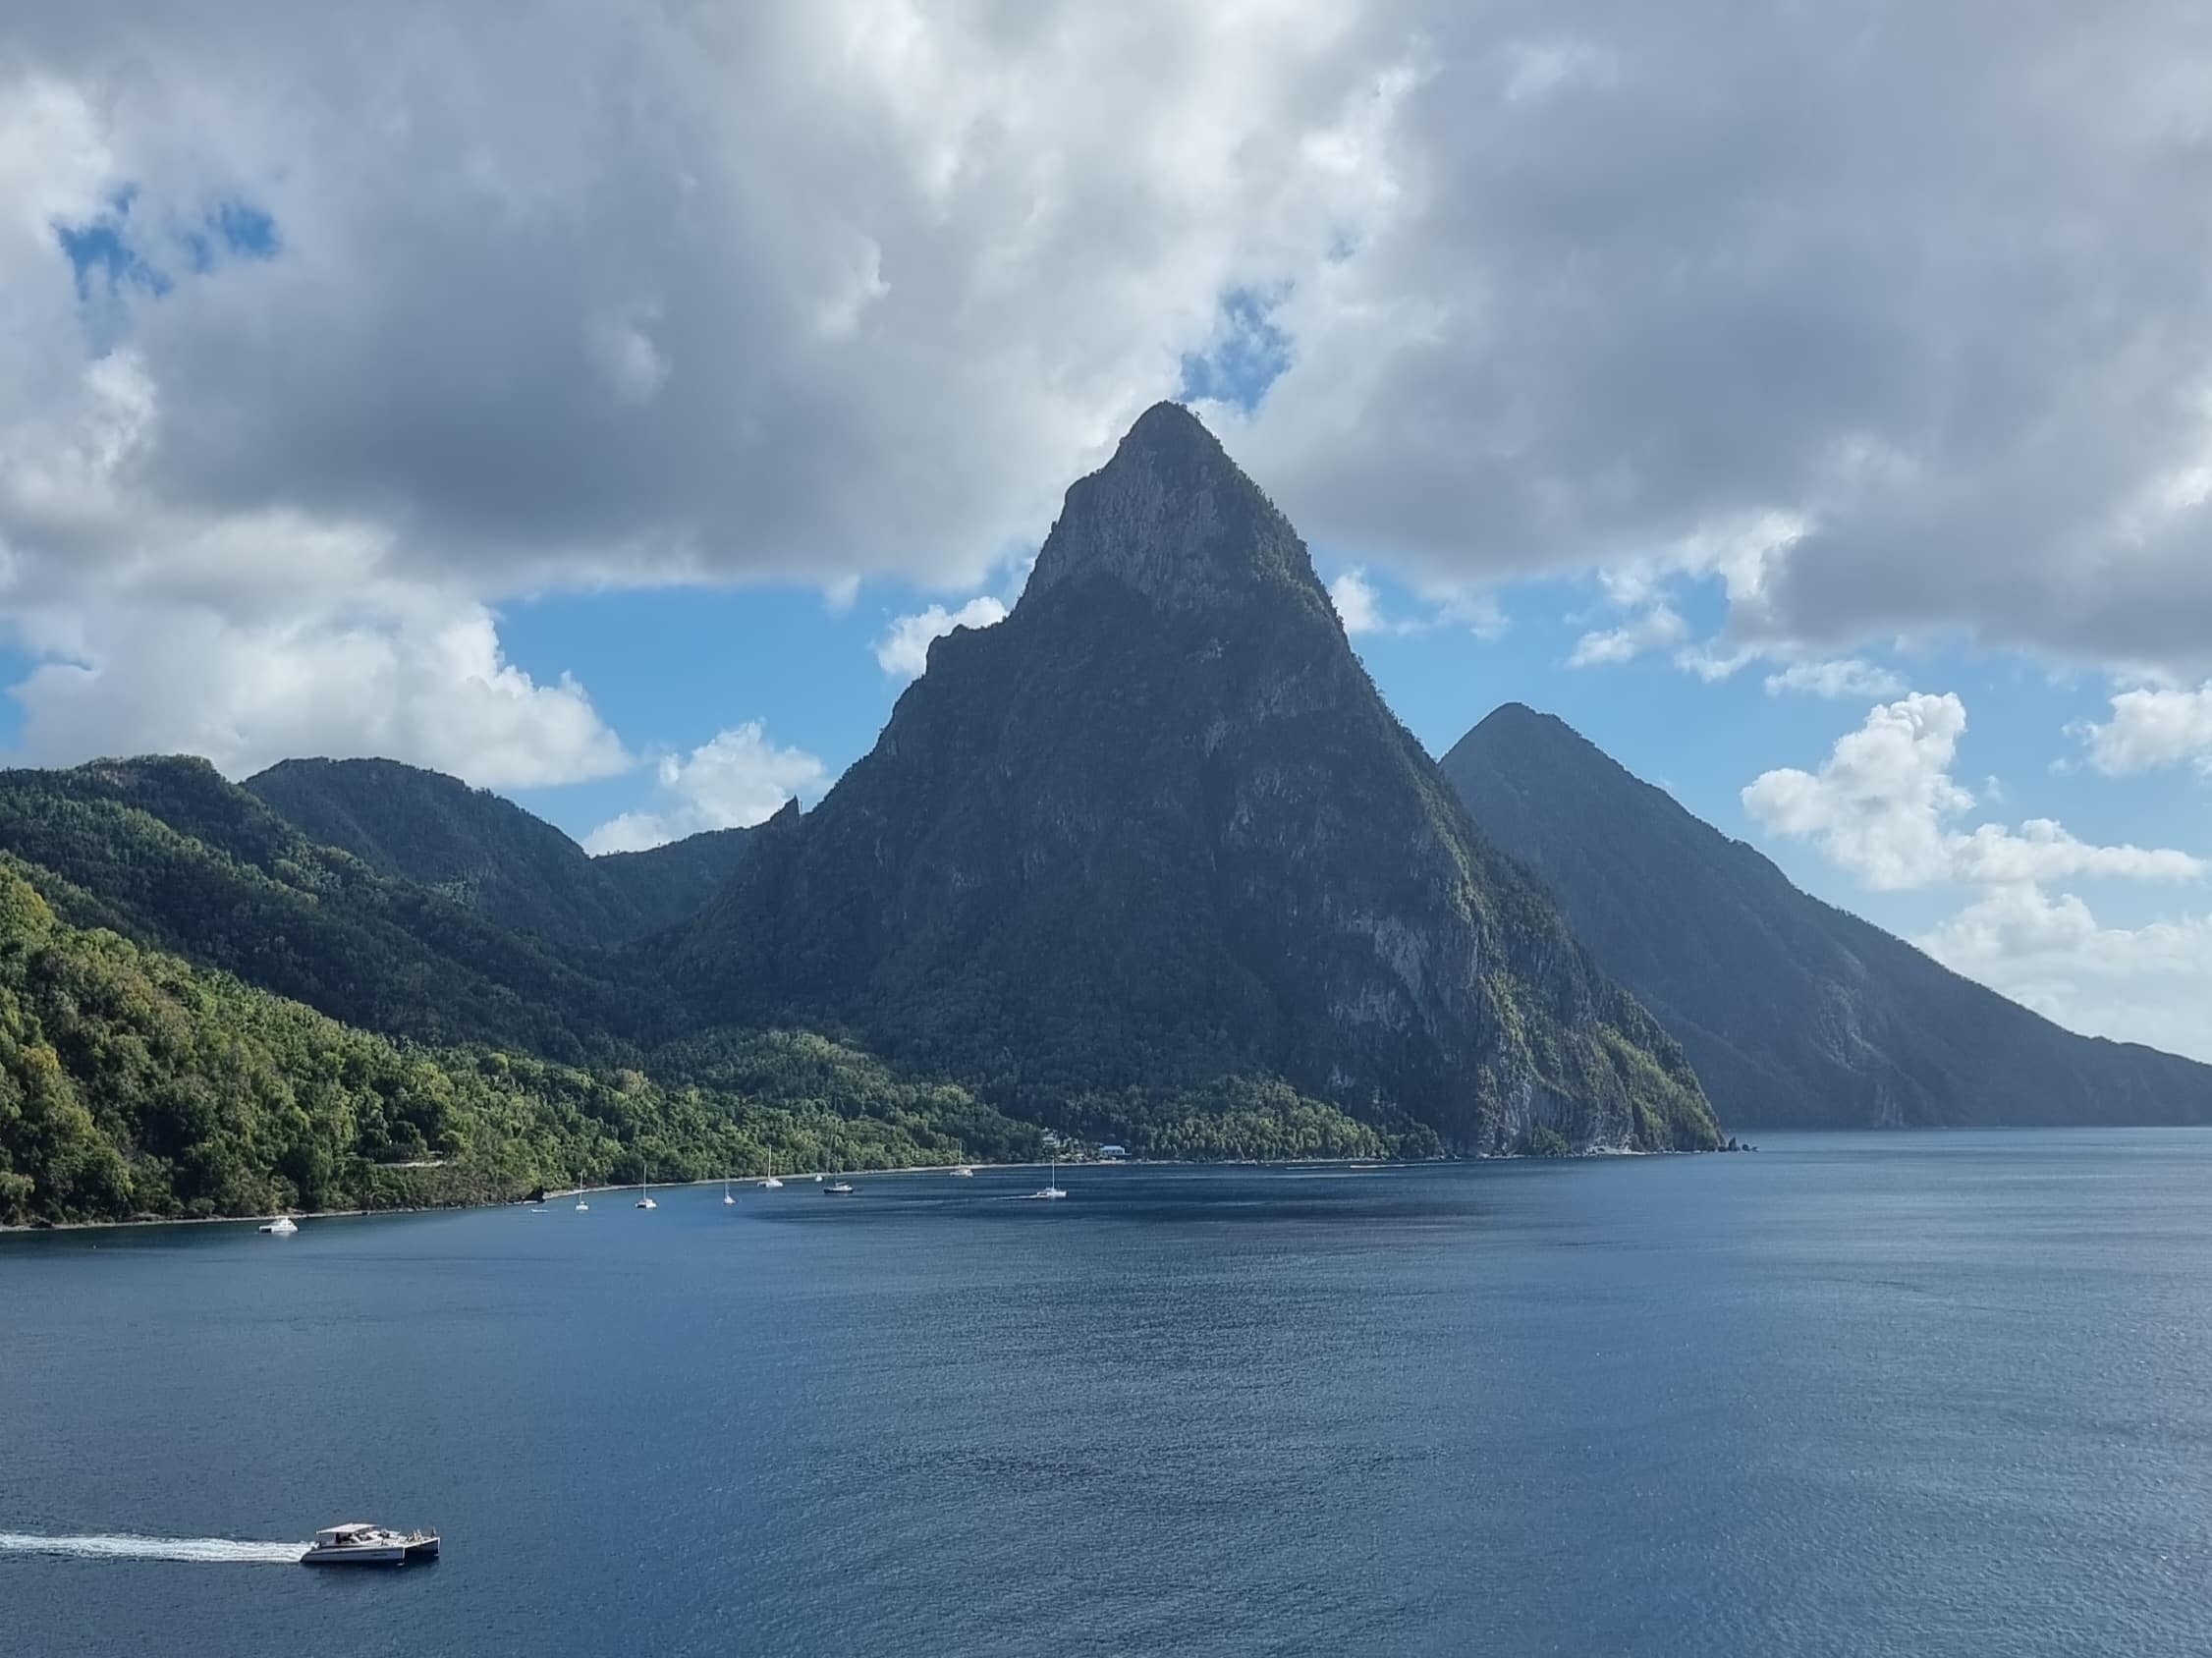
(356, 1542)
(645, 1197)
(836, 1188)
(726, 1199)
(963, 1172)
(817, 1180)
(581, 1207)
(282, 1227)
(771, 1184)
(1052, 1184)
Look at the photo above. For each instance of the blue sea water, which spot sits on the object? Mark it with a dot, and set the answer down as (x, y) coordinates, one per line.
(1853, 1395)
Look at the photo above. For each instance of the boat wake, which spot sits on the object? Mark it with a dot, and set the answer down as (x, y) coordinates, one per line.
(212, 1551)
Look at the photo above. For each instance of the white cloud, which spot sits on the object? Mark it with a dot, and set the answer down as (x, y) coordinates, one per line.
(1358, 604)
(2042, 849)
(1478, 612)
(1361, 607)
(2152, 727)
(1883, 804)
(1711, 664)
(712, 294)
(1878, 805)
(1657, 629)
(736, 779)
(2139, 984)
(430, 684)
(803, 295)
(903, 651)
(1848, 676)
(1495, 383)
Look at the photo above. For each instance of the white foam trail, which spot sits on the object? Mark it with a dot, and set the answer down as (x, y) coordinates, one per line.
(213, 1551)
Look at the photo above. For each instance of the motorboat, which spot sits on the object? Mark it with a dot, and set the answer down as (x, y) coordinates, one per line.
(838, 1188)
(356, 1542)
(283, 1226)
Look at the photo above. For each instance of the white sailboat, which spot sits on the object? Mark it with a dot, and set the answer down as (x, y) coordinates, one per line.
(646, 1196)
(1052, 1182)
(725, 1197)
(771, 1184)
(581, 1207)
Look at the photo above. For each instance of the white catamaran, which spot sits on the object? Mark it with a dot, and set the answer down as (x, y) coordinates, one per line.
(356, 1542)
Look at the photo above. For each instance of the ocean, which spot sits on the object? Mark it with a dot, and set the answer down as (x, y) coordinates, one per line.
(1909, 1395)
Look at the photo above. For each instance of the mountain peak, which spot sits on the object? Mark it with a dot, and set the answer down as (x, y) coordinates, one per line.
(1793, 1013)
(1172, 516)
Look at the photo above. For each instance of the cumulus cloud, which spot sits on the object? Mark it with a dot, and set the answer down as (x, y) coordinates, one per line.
(1642, 289)
(2152, 727)
(903, 650)
(1884, 802)
(736, 779)
(430, 684)
(700, 293)
(1657, 629)
(2140, 984)
(692, 295)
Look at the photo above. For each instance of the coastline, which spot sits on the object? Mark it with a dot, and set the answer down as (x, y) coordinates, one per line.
(670, 1185)
(1594, 1153)
(551, 1194)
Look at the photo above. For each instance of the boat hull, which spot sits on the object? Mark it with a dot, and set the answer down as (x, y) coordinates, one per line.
(396, 1554)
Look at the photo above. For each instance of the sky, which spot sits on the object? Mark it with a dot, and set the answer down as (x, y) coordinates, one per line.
(606, 403)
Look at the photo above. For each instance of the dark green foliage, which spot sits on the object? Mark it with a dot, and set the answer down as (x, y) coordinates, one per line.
(1793, 1012)
(1150, 862)
(166, 852)
(1157, 828)
(1545, 1140)
(1242, 1117)
(490, 856)
(131, 1083)
(667, 886)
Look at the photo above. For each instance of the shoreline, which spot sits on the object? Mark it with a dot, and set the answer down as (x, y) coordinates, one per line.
(551, 1193)
(1594, 1154)
(807, 1178)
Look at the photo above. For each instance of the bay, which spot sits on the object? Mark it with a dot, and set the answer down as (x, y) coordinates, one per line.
(1942, 1393)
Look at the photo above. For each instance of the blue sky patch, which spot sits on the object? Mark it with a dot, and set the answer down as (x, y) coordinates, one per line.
(117, 250)
(1249, 355)
(100, 253)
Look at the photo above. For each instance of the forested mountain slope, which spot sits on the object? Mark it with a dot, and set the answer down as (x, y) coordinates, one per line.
(1794, 1012)
(1157, 829)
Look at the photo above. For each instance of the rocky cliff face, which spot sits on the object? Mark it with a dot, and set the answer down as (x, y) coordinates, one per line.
(1157, 828)
(1794, 1012)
